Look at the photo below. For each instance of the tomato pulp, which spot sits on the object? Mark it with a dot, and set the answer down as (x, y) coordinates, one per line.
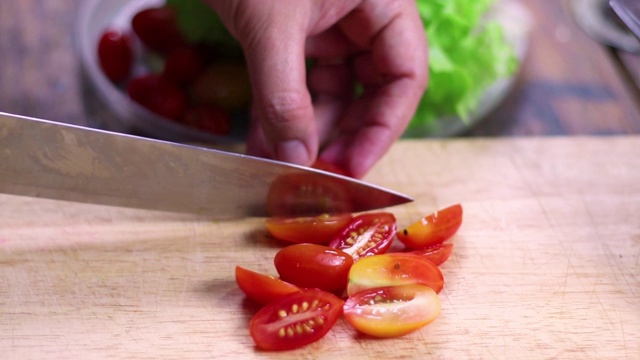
(366, 234)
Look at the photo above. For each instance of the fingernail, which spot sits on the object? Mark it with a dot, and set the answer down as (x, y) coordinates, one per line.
(292, 151)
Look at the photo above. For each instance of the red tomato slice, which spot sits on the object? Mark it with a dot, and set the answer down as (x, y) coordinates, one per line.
(295, 320)
(437, 254)
(433, 228)
(394, 269)
(262, 288)
(311, 229)
(366, 234)
(314, 266)
(302, 194)
(392, 311)
(327, 166)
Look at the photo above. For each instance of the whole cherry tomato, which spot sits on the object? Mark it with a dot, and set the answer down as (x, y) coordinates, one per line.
(296, 320)
(158, 95)
(314, 266)
(433, 228)
(394, 269)
(209, 118)
(367, 234)
(392, 311)
(157, 28)
(308, 229)
(115, 54)
(183, 65)
(262, 288)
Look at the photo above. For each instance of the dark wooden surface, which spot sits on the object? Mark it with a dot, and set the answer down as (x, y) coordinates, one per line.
(569, 84)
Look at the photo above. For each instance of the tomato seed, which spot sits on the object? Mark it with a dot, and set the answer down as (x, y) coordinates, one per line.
(305, 306)
(282, 313)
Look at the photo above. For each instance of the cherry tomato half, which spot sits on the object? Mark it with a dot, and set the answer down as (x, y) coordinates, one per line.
(366, 235)
(296, 320)
(308, 229)
(394, 269)
(392, 311)
(437, 254)
(115, 54)
(314, 266)
(433, 228)
(262, 288)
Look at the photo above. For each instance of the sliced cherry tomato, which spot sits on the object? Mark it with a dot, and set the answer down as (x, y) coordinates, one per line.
(314, 266)
(309, 229)
(225, 85)
(433, 228)
(303, 194)
(392, 311)
(366, 235)
(157, 28)
(296, 320)
(262, 288)
(327, 166)
(115, 54)
(437, 254)
(394, 269)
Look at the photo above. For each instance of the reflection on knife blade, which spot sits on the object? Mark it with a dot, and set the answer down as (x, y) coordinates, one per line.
(52, 160)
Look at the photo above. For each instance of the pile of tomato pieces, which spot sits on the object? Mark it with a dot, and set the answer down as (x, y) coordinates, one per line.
(341, 265)
(194, 84)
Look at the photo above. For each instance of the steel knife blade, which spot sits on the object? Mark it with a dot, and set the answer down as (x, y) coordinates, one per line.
(47, 159)
(629, 13)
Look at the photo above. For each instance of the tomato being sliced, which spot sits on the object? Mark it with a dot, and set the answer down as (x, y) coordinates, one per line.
(314, 266)
(307, 229)
(262, 288)
(437, 254)
(394, 269)
(392, 311)
(295, 320)
(433, 228)
(366, 234)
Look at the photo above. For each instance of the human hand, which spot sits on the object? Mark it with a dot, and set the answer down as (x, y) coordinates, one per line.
(378, 43)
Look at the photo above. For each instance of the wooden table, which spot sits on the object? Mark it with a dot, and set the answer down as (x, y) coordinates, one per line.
(546, 264)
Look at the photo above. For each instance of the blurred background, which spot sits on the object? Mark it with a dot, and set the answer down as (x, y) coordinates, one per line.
(573, 78)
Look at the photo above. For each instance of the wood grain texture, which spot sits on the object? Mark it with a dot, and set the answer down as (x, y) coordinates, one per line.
(545, 265)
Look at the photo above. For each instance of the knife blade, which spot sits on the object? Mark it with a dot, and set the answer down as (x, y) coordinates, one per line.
(629, 12)
(47, 159)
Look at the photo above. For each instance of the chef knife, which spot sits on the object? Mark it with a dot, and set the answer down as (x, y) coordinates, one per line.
(47, 159)
(629, 12)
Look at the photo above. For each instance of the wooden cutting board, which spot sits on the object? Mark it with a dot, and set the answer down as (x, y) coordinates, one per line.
(545, 265)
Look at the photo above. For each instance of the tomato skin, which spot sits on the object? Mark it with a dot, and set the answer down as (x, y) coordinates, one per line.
(433, 228)
(261, 288)
(314, 266)
(157, 28)
(183, 65)
(394, 269)
(392, 311)
(115, 55)
(367, 234)
(296, 320)
(209, 118)
(307, 229)
(304, 194)
(158, 95)
(329, 167)
(437, 254)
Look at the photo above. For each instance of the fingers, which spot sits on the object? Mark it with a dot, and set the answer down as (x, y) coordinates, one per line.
(394, 74)
(273, 42)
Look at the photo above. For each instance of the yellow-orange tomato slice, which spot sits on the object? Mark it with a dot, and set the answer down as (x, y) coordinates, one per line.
(394, 269)
(307, 229)
(392, 311)
(433, 228)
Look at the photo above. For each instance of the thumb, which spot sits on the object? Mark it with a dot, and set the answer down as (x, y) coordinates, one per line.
(273, 42)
